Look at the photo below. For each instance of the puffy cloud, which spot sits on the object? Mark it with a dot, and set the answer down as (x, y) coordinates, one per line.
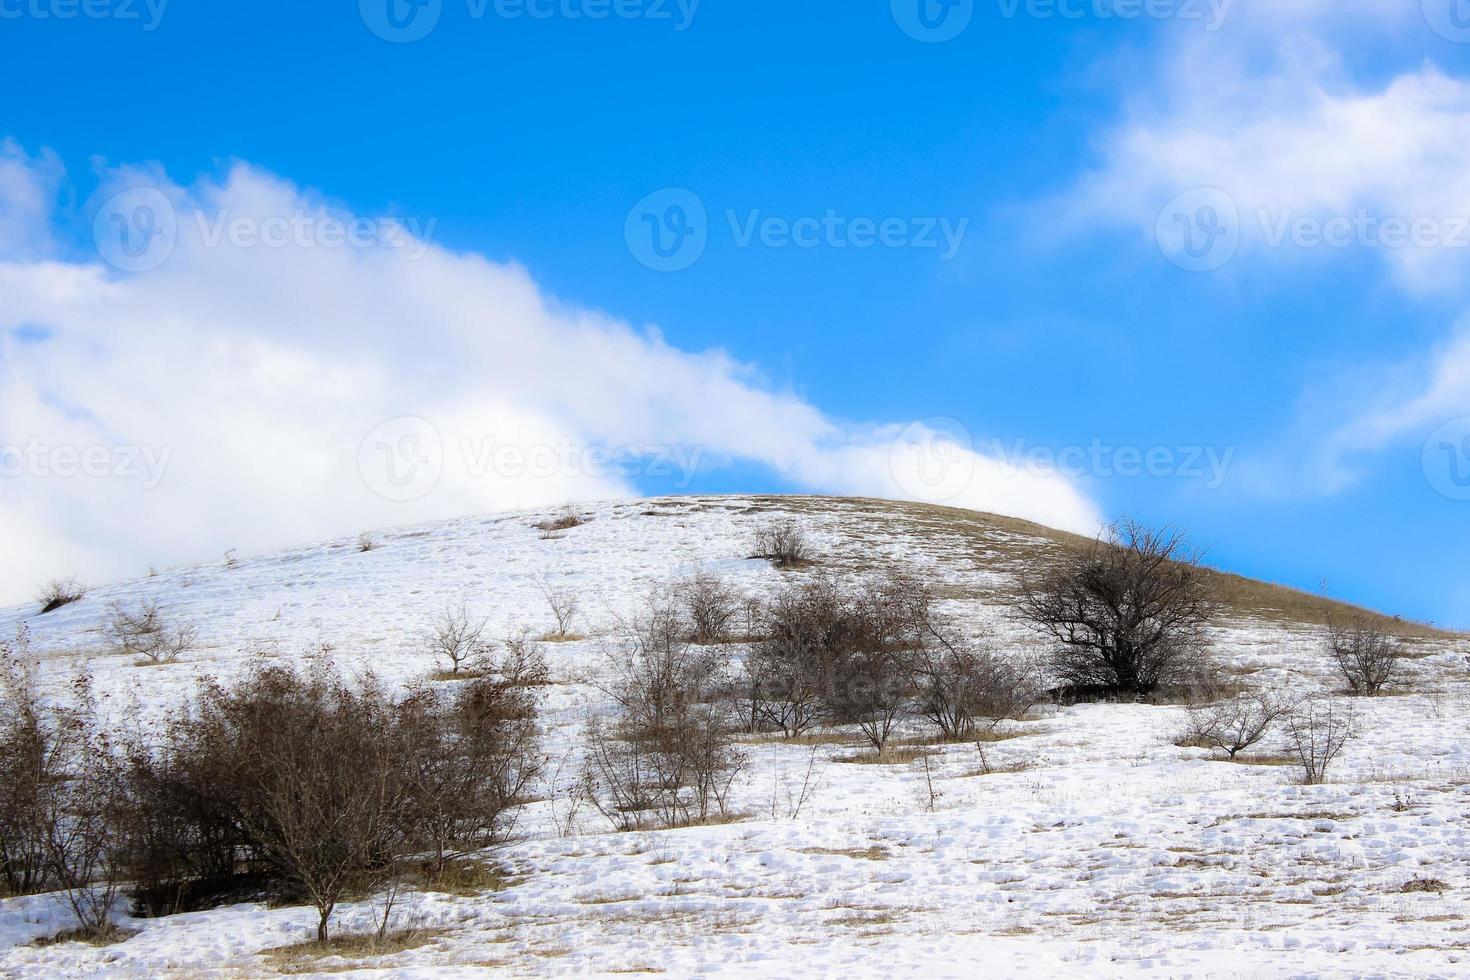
(1291, 127)
(268, 369)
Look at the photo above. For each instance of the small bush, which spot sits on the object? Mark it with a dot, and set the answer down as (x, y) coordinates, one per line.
(458, 638)
(711, 606)
(564, 521)
(365, 543)
(144, 632)
(1368, 658)
(668, 756)
(1237, 724)
(30, 770)
(564, 606)
(782, 543)
(1319, 728)
(60, 592)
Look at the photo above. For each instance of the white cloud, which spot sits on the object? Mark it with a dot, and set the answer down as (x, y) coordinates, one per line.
(256, 372)
(1279, 113)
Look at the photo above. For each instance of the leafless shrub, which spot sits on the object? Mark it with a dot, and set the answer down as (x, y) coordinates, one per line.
(1128, 615)
(567, 519)
(316, 785)
(144, 632)
(365, 543)
(668, 755)
(467, 759)
(829, 653)
(711, 606)
(522, 664)
(787, 673)
(31, 767)
(964, 684)
(787, 803)
(782, 543)
(1237, 724)
(80, 830)
(1368, 658)
(458, 637)
(564, 606)
(60, 592)
(1319, 728)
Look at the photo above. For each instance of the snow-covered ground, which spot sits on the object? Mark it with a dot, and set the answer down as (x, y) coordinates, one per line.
(1093, 846)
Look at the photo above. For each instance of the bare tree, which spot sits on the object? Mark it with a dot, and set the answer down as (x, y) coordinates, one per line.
(564, 606)
(783, 543)
(1128, 615)
(1237, 724)
(144, 632)
(458, 637)
(1368, 658)
(60, 592)
(1319, 728)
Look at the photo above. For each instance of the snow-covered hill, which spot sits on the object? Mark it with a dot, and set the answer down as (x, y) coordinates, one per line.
(1090, 843)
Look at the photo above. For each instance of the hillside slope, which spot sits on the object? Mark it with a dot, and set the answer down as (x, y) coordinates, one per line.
(1088, 841)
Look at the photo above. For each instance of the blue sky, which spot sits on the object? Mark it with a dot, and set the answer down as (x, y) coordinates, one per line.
(1055, 142)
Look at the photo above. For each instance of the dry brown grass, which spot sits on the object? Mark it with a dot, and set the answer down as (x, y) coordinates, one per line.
(871, 853)
(1010, 545)
(900, 755)
(305, 957)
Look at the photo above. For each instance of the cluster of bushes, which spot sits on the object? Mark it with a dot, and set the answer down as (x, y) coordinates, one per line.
(873, 654)
(291, 781)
